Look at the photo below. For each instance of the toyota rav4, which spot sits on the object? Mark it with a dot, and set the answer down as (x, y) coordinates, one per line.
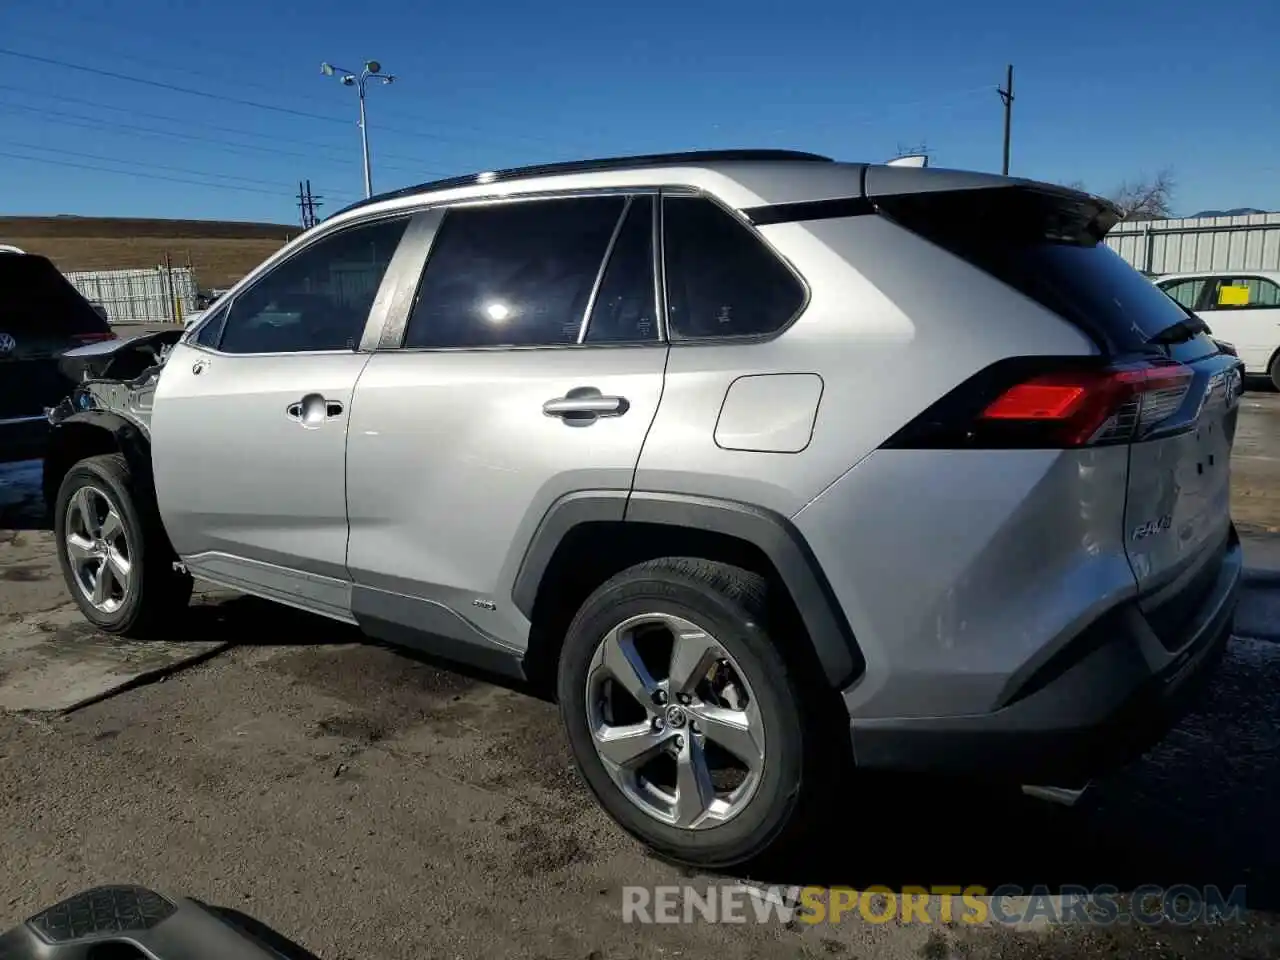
(767, 463)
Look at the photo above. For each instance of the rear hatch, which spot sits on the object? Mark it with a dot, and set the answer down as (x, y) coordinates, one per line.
(41, 315)
(1159, 384)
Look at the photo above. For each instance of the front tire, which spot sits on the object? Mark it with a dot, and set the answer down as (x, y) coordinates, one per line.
(1275, 371)
(694, 729)
(113, 551)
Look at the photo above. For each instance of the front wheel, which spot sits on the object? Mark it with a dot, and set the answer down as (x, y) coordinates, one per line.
(1275, 371)
(114, 554)
(688, 722)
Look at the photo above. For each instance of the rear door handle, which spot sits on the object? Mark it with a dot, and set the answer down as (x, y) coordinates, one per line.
(584, 405)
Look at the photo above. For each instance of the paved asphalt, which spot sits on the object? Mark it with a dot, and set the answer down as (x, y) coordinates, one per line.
(368, 804)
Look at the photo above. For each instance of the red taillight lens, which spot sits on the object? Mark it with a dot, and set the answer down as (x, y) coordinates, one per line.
(1079, 407)
(95, 337)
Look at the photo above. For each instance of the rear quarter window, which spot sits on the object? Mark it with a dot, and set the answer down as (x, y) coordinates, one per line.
(721, 279)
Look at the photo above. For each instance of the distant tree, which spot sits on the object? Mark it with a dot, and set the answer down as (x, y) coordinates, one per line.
(1141, 199)
(1146, 199)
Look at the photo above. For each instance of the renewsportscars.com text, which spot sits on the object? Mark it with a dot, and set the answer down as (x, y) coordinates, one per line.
(1009, 905)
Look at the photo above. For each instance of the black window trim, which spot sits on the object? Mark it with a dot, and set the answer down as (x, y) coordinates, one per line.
(398, 331)
(1213, 280)
(268, 267)
(744, 221)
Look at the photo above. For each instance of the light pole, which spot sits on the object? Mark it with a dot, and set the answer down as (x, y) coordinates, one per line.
(372, 70)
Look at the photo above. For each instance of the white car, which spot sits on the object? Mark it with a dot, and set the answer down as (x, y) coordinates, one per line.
(1241, 306)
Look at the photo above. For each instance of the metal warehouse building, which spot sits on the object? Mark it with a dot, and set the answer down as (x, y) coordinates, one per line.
(1249, 242)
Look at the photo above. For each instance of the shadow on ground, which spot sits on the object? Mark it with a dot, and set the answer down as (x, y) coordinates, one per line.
(21, 501)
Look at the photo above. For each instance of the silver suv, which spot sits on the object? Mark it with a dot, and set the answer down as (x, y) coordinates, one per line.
(767, 462)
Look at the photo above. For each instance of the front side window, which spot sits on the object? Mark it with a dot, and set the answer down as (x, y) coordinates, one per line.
(317, 300)
(1234, 293)
(513, 274)
(722, 281)
(1185, 292)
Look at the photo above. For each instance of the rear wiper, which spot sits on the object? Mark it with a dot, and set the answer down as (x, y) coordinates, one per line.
(1180, 332)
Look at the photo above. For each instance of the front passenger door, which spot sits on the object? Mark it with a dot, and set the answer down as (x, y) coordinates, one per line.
(250, 423)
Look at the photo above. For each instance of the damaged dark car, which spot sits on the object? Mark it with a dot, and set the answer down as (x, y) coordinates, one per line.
(42, 316)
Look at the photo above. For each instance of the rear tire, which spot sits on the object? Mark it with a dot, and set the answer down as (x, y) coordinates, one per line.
(648, 740)
(1275, 371)
(114, 554)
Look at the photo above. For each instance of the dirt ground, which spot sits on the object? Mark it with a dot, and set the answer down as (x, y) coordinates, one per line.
(366, 803)
(220, 252)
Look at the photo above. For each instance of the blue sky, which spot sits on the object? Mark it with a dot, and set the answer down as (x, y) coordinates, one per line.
(1105, 91)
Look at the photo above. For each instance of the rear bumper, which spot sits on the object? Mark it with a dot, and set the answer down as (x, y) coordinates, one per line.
(1107, 697)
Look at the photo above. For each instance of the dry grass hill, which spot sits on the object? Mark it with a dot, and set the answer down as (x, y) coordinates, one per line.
(220, 251)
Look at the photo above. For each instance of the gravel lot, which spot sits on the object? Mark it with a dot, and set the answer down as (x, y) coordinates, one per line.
(369, 804)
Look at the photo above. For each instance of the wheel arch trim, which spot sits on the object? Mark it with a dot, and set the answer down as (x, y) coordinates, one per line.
(771, 533)
(129, 438)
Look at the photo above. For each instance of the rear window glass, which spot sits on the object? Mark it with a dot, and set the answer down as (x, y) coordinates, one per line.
(37, 300)
(1049, 247)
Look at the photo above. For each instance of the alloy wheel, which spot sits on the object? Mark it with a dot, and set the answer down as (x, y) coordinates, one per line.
(674, 721)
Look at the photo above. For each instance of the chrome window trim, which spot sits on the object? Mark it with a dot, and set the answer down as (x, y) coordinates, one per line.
(602, 269)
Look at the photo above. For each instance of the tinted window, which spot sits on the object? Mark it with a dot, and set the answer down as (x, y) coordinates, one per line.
(513, 274)
(1047, 245)
(318, 299)
(1186, 292)
(37, 301)
(1235, 293)
(722, 281)
(209, 329)
(624, 310)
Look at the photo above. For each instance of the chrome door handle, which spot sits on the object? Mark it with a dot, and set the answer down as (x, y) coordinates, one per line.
(584, 405)
(312, 410)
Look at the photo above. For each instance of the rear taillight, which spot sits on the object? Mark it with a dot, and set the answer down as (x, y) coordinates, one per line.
(1073, 406)
(95, 337)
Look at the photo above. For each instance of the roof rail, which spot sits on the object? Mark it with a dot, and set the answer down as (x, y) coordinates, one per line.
(592, 166)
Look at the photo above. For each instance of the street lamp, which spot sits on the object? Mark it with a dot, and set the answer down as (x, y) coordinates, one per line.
(372, 71)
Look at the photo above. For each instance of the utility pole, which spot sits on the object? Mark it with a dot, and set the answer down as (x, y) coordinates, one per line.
(307, 203)
(1006, 95)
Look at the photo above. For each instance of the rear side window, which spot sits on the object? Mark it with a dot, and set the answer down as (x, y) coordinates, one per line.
(625, 308)
(513, 274)
(1241, 293)
(1186, 292)
(36, 300)
(722, 281)
(1047, 245)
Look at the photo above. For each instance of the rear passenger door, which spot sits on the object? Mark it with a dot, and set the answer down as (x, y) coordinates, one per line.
(1245, 310)
(527, 365)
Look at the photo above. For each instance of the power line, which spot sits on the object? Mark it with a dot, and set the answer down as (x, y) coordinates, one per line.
(163, 116)
(97, 123)
(187, 122)
(136, 172)
(504, 136)
(191, 91)
(171, 86)
(150, 165)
